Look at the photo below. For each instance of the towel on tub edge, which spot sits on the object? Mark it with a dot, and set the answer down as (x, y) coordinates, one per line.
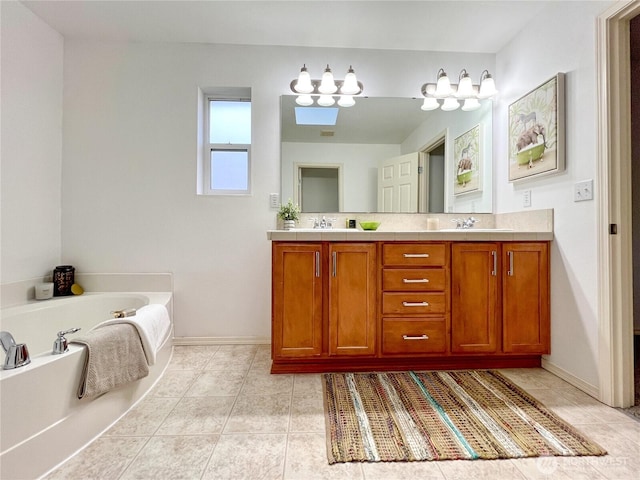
(114, 357)
(153, 325)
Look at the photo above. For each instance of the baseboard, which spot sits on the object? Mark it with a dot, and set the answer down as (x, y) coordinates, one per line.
(221, 340)
(572, 379)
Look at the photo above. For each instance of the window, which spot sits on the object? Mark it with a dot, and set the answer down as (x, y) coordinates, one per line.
(227, 163)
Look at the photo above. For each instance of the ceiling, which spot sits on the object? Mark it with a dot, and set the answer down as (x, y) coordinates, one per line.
(431, 25)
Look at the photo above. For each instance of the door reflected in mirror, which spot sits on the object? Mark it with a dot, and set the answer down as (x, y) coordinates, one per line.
(363, 140)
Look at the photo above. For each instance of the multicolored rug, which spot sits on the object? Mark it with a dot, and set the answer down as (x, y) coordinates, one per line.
(409, 416)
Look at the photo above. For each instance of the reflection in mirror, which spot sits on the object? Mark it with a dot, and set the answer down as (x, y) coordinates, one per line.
(344, 164)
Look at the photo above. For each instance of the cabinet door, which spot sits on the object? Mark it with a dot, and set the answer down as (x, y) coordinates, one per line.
(352, 299)
(474, 296)
(526, 298)
(297, 300)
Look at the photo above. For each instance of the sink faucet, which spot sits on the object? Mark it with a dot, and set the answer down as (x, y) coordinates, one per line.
(465, 223)
(17, 354)
(60, 343)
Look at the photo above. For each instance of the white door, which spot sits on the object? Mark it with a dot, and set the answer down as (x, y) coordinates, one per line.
(398, 184)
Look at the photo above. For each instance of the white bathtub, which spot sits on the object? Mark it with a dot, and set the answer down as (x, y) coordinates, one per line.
(42, 421)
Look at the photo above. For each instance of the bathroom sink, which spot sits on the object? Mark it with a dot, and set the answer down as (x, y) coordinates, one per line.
(475, 230)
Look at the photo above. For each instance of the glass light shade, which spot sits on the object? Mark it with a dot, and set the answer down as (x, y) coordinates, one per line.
(450, 104)
(303, 85)
(430, 103)
(327, 84)
(465, 87)
(326, 100)
(471, 104)
(443, 87)
(346, 101)
(487, 88)
(350, 85)
(304, 100)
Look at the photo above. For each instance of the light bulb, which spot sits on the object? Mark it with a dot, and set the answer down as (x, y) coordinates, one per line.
(471, 104)
(450, 104)
(346, 101)
(327, 85)
(350, 85)
(304, 100)
(487, 86)
(326, 100)
(303, 85)
(443, 87)
(465, 87)
(430, 103)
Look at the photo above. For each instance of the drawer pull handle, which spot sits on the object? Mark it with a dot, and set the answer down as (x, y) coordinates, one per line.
(415, 337)
(415, 304)
(415, 280)
(416, 255)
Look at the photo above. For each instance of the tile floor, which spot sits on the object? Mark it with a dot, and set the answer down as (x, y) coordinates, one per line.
(218, 414)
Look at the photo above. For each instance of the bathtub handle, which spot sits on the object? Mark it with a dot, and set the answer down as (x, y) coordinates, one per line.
(60, 344)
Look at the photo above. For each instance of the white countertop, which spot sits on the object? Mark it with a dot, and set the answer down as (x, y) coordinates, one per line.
(357, 235)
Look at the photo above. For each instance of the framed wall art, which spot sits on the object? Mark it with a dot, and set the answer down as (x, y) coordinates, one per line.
(467, 175)
(536, 131)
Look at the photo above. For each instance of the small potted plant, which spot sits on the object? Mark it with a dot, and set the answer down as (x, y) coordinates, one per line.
(290, 214)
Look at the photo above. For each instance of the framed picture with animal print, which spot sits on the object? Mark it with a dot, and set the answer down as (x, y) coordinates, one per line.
(536, 131)
(467, 175)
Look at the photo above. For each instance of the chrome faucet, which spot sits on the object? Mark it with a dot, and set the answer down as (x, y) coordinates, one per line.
(60, 343)
(323, 223)
(17, 354)
(465, 223)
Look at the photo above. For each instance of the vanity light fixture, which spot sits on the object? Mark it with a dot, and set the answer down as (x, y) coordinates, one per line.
(326, 88)
(450, 94)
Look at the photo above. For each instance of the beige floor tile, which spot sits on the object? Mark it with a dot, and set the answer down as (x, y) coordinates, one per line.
(259, 414)
(307, 413)
(559, 468)
(524, 377)
(307, 383)
(480, 469)
(307, 460)
(216, 382)
(104, 459)
(247, 456)
(144, 418)
(402, 471)
(191, 357)
(259, 383)
(180, 457)
(197, 415)
(174, 383)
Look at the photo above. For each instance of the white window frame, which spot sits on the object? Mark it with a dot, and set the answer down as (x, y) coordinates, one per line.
(207, 188)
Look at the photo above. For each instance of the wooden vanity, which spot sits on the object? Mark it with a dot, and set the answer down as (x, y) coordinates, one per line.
(354, 305)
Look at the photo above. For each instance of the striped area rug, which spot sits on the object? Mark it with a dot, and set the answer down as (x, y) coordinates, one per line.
(409, 416)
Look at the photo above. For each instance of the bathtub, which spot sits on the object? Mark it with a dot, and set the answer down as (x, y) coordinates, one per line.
(42, 420)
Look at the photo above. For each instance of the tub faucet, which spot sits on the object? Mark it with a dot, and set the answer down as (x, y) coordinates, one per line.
(17, 354)
(60, 344)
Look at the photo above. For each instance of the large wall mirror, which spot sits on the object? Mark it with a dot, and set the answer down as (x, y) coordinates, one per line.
(343, 166)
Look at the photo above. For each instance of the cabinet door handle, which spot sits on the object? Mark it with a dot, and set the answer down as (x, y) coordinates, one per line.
(415, 304)
(317, 264)
(510, 272)
(416, 255)
(494, 254)
(415, 280)
(415, 337)
(334, 257)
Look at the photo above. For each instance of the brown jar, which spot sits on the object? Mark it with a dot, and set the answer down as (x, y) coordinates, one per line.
(63, 278)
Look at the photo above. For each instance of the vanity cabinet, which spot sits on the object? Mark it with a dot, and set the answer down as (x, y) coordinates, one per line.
(323, 299)
(415, 303)
(486, 276)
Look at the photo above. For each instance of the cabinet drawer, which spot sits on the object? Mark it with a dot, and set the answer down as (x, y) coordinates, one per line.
(416, 279)
(401, 254)
(414, 336)
(413, 303)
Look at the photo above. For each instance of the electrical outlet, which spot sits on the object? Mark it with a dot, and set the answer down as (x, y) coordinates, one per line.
(526, 198)
(274, 200)
(583, 191)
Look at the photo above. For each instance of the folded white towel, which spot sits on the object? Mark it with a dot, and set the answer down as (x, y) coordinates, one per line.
(153, 325)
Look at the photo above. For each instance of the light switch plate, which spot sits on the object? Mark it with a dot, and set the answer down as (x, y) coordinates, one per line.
(526, 198)
(583, 191)
(274, 200)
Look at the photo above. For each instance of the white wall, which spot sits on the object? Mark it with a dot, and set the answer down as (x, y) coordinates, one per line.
(129, 168)
(31, 152)
(560, 40)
